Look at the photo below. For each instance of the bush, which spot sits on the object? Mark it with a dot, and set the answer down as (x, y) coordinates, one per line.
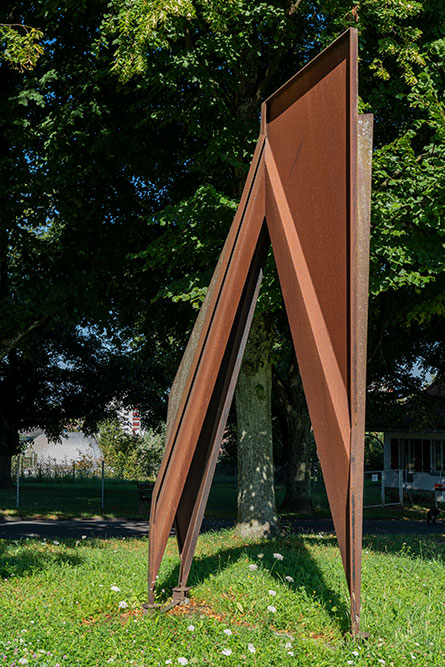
(131, 456)
(150, 451)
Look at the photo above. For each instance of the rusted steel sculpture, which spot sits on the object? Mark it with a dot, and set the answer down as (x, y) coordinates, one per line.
(307, 193)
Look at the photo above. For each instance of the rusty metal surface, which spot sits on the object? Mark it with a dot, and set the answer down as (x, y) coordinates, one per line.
(308, 189)
(201, 366)
(359, 320)
(310, 206)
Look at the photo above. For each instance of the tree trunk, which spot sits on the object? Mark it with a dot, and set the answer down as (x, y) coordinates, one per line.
(5, 473)
(298, 441)
(257, 513)
(9, 429)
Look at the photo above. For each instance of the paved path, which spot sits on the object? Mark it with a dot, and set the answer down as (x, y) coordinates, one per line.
(75, 528)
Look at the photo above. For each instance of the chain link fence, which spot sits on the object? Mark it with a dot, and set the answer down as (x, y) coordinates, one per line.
(381, 488)
(72, 488)
(93, 488)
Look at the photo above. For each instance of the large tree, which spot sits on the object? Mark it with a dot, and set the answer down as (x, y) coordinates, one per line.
(132, 136)
(71, 211)
(206, 66)
(210, 64)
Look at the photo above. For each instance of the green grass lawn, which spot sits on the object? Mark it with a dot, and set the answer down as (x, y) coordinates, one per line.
(57, 606)
(83, 499)
(67, 500)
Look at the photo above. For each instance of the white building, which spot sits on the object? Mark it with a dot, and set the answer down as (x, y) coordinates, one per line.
(73, 447)
(421, 457)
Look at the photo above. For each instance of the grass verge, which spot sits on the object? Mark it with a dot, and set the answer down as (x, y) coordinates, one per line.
(83, 500)
(249, 605)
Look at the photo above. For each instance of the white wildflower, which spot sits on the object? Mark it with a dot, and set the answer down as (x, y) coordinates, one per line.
(168, 662)
(56, 542)
(183, 661)
(278, 556)
(289, 578)
(226, 651)
(350, 662)
(271, 609)
(382, 662)
(251, 648)
(288, 645)
(23, 661)
(291, 653)
(84, 537)
(123, 604)
(356, 653)
(273, 593)
(191, 628)
(115, 588)
(227, 632)
(260, 556)
(252, 567)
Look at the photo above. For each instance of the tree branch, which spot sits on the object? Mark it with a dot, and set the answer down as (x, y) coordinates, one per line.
(9, 346)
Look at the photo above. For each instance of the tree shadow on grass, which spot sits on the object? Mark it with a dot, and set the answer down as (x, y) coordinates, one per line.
(17, 559)
(297, 562)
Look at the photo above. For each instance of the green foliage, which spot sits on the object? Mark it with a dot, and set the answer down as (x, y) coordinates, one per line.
(119, 449)
(151, 450)
(223, 58)
(20, 46)
(191, 230)
(68, 194)
(124, 153)
(131, 456)
(374, 451)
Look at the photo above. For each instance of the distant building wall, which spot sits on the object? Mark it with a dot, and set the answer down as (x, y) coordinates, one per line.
(72, 447)
(131, 421)
(421, 456)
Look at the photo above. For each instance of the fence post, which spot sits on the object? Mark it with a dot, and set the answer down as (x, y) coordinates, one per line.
(18, 483)
(401, 486)
(103, 486)
(383, 488)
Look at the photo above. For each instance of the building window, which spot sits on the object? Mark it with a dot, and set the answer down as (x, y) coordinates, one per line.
(395, 464)
(415, 454)
(438, 452)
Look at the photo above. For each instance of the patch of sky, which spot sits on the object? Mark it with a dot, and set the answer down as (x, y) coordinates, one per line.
(419, 370)
(145, 189)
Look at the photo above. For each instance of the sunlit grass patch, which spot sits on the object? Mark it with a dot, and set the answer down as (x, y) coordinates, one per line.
(280, 603)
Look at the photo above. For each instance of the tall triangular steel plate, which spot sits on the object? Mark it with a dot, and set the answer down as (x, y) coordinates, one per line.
(307, 193)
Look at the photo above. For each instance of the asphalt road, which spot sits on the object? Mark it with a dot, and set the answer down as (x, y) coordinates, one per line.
(14, 529)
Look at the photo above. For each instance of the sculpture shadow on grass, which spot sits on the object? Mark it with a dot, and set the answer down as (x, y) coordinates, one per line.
(297, 561)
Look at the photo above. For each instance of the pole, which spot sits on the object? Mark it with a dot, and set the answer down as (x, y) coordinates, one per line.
(18, 483)
(103, 486)
(401, 486)
(383, 488)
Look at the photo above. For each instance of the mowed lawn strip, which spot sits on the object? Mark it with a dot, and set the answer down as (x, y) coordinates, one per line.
(82, 499)
(280, 603)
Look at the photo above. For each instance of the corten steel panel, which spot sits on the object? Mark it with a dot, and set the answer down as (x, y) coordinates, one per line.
(201, 367)
(310, 209)
(309, 189)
